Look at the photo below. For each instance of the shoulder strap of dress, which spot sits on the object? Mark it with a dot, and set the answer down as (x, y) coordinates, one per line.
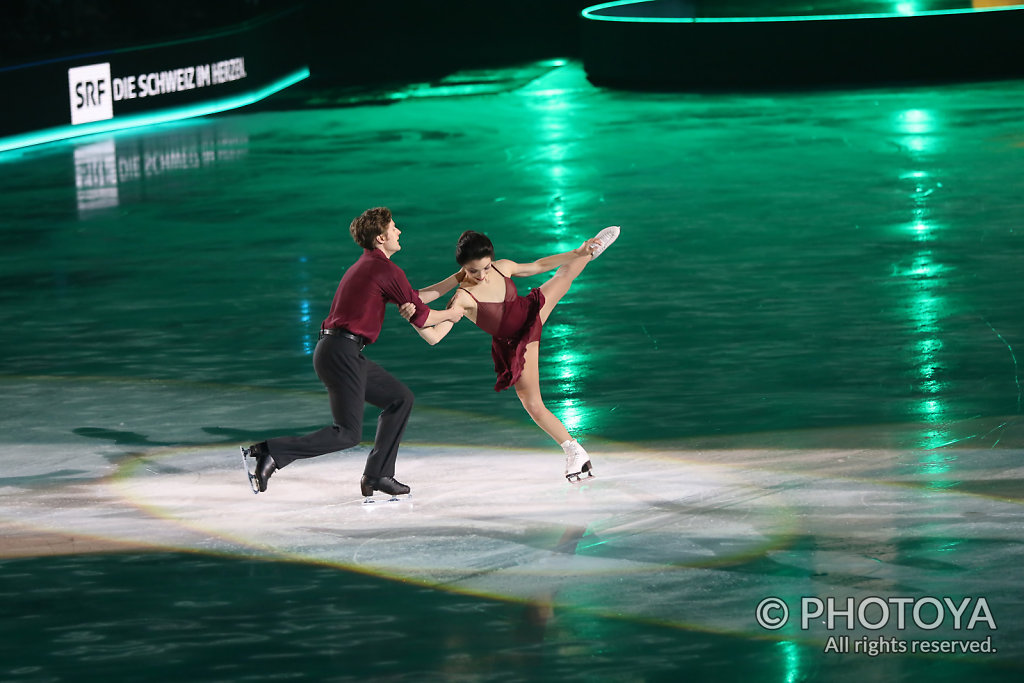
(462, 289)
(499, 272)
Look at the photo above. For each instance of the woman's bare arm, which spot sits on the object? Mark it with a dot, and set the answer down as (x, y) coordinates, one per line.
(542, 265)
(436, 291)
(433, 333)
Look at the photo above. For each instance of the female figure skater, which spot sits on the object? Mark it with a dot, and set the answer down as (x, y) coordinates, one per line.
(515, 322)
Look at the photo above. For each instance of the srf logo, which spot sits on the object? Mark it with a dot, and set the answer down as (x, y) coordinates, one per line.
(92, 97)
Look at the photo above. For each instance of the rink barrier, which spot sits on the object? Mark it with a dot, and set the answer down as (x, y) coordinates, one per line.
(676, 45)
(110, 90)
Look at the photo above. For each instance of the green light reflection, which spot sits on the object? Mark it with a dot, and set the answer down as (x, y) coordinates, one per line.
(569, 368)
(924, 280)
(926, 309)
(922, 230)
(553, 153)
(929, 366)
(917, 121)
(572, 416)
(553, 161)
(792, 661)
(918, 127)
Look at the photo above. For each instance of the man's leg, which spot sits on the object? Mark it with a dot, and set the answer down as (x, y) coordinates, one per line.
(395, 401)
(342, 369)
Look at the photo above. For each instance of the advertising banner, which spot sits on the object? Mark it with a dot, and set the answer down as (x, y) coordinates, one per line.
(103, 91)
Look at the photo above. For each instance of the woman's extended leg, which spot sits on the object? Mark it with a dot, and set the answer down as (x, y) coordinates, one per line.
(555, 288)
(528, 386)
(577, 461)
(528, 390)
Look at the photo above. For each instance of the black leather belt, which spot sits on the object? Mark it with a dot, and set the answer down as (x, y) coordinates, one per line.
(341, 332)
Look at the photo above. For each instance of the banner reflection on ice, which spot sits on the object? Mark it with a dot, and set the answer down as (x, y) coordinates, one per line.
(107, 172)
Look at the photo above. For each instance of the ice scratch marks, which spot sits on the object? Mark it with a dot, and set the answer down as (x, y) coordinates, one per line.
(1016, 369)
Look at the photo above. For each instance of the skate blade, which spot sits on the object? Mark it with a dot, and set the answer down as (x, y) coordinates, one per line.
(576, 477)
(369, 500)
(252, 476)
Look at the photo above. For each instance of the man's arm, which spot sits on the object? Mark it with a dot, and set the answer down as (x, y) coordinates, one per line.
(397, 289)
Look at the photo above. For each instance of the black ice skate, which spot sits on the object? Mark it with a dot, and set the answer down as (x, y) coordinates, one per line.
(263, 467)
(388, 485)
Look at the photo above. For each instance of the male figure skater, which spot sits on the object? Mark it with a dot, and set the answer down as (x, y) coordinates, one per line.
(354, 321)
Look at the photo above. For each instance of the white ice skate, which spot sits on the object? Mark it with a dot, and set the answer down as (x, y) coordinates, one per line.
(606, 236)
(577, 461)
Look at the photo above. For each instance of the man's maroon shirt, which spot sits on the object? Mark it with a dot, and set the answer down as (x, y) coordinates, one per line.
(367, 286)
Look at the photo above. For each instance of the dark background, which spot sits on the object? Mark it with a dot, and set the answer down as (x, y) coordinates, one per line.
(350, 43)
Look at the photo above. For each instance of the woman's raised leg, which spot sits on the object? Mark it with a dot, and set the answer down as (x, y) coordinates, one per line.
(555, 288)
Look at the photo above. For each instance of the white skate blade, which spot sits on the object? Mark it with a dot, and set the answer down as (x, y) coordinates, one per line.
(249, 473)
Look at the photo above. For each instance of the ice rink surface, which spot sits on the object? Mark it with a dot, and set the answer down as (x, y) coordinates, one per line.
(796, 373)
